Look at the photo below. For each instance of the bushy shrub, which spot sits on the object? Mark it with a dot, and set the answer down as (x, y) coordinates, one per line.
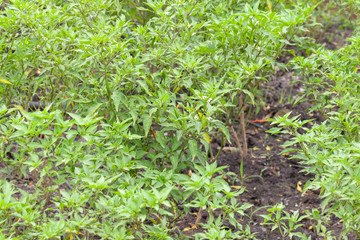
(131, 94)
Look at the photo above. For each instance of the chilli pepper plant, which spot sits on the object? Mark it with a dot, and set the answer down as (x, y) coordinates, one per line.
(108, 110)
(330, 149)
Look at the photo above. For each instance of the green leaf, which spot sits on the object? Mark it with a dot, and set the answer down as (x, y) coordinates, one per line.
(116, 97)
(225, 131)
(144, 86)
(93, 109)
(160, 138)
(78, 119)
(147, 121)
(250, 95)
(20, 108)
(198, 126)
(3, 109)
(175, 143)
(193, 148)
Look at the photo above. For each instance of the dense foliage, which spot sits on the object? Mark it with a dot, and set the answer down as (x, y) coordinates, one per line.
(109, 109)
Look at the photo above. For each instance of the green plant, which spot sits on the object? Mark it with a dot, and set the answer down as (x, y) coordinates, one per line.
(216, 230)
(284, 221)
(319, 221)
(329, 149)
(106, 105)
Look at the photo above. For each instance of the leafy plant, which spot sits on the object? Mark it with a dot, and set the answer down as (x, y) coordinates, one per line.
(107, 105)
(284, 221)
(329, 149)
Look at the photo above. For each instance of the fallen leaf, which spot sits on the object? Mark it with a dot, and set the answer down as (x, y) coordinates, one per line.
(231, 149)
(194, 226)
(253, 131)
(268, 148)
(269, 115)
(237, 187)
(298, 186)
